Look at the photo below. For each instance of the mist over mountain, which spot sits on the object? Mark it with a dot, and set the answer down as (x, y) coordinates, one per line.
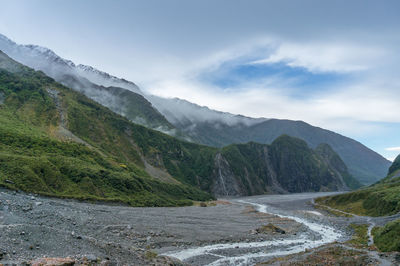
(190, 121)
(121, 96)
(59, 142)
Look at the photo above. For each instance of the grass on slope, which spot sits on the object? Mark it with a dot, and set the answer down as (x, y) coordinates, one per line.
(387, 238)
(32, 160)
(189, 163)
(360, 236)
(378, 200)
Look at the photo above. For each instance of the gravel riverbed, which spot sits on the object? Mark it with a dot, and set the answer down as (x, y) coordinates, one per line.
(33, 227)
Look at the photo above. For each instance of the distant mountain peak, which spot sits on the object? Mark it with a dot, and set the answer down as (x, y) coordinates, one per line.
(106, 75)
(6, 39)
(45, 59)
(197, 123)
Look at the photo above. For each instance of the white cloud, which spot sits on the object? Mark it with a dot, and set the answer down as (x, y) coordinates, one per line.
(353, 107)
(319, 57)
(393, 149)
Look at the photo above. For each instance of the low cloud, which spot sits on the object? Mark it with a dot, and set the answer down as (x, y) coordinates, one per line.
(322, 57)
(393, 149)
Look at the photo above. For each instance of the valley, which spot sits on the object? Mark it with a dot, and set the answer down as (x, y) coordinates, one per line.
(97, 170)
(239, 231)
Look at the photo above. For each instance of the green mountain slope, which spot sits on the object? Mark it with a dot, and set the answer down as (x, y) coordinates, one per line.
(334, 160)
(287, 165)
(56, 141)
(394, 170)
(364, 164)
(36, 156)
(382, 198)
(122, 101)
(190, 121)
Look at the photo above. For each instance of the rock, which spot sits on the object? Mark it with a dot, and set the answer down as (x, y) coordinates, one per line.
(53, 262)
(38, 203)
(73, 233)
(27, 208)
(9, 182)
(78, 237)
(33, 198)
(91, 258)
(270, 228)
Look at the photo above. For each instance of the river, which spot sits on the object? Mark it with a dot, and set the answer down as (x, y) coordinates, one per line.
(293, 207)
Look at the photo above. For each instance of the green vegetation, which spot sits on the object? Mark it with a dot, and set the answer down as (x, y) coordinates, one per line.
(34, 159)
(150, 255)
(297, 168)
(135, 106)
(295, 160)
(380, 199)
(331, 211)
(387, 238)
(55, 141)
(395, 166)
(334, 160)
(360, 236)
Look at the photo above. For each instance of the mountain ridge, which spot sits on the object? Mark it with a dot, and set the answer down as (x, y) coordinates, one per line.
(115, 159)
(205, 126)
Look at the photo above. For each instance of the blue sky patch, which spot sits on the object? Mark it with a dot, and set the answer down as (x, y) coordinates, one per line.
(301, 81)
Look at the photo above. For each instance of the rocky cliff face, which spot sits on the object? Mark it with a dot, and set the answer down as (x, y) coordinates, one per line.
(335, 162)
(287, 165)
(395, 166)
(225, 183)
(128, 153)
(187, 120)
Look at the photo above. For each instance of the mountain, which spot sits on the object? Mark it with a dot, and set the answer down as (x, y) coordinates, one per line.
(382, 198)
(287, 165)
(394, 170)
(335, 162)
(121, 101)
(119, 95)
(189, 121)
(56, 141)
(218, 129)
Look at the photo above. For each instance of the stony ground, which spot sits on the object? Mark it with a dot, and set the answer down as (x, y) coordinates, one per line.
(32, 227)
(34, 230)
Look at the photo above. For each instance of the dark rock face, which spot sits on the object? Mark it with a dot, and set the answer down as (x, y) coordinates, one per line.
(334, 161)
(287, 165)
(363, 163)
(395, 166)
(225, 183)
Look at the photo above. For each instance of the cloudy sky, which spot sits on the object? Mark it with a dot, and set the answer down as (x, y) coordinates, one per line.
(334, 64)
